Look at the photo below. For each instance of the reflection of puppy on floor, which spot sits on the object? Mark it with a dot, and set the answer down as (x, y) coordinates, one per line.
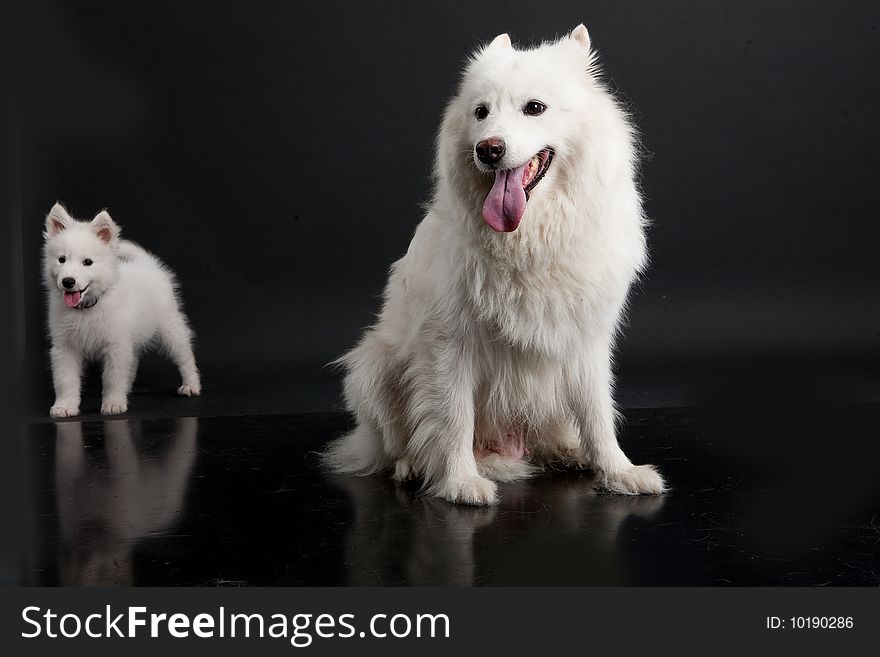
(400, 538)
(104, 511)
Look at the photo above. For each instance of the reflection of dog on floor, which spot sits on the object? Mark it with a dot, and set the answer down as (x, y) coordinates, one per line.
(105, 509)
(401, 538)
(492, 353)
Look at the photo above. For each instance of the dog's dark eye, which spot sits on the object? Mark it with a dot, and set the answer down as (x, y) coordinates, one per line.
(62, 259)
(534, 108)
(481, 112)
(88, 262)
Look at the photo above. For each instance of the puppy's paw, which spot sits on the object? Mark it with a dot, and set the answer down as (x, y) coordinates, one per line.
(61, 409)
(403, 470)
(114, 407)
(189, 390)
(635, 480)
(476, 491)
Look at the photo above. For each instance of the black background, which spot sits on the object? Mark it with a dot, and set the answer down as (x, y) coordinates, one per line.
(275, 154)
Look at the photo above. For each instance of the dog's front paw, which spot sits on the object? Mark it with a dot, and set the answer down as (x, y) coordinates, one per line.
(476, 491)
(189, 390)
(60, 409)
(114, 407)
(635, 480)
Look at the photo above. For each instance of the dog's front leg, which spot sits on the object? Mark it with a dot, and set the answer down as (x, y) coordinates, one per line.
(118, 376)
(590, 398)
(67, 365)
(441, 414)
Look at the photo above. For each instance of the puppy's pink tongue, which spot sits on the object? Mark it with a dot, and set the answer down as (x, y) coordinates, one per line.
(72, 299)
(506, 202)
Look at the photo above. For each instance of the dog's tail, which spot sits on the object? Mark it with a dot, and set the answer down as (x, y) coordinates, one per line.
(370, 391)
(358, 453)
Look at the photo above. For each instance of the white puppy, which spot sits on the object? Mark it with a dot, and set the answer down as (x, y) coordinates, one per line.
(108, 299)
(492, 354)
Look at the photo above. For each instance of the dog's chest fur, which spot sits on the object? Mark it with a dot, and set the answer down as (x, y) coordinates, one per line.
(538, 310)
(111, 322)
(89, 330)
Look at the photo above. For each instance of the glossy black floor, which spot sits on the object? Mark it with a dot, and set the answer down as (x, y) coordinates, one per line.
(779, 496)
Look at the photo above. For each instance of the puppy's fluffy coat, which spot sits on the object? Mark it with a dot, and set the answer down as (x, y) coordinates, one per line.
(108, 299)
(492, 353)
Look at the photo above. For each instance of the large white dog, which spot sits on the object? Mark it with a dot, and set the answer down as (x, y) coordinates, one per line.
(108, 300)
(492, 354)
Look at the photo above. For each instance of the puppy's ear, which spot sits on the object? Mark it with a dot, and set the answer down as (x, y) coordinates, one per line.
(104, 227)
(581, 35)
(57, 220)
(501, 41)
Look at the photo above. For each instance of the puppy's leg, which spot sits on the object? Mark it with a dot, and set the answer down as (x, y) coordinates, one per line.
(593, 406)
(176, 336)
(66, 376)
(441, 412)
(119, 369)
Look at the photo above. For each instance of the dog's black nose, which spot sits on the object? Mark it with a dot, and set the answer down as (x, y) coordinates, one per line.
(68, 282)
(490, 151)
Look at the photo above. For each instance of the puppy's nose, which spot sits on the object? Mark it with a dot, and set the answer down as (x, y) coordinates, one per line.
(490, 151)
(68, 282)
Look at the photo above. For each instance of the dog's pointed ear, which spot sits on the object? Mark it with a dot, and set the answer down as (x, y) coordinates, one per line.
(501, 41)
(104, 227)
(581, 35)
(57, 220)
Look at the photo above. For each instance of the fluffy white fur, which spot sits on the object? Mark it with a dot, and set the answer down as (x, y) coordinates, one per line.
(127, 302)
(485, 335)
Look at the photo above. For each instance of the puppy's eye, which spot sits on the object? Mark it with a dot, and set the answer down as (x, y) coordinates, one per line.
(481, 112)
(534, 108)
(88, 262)
(62, 259)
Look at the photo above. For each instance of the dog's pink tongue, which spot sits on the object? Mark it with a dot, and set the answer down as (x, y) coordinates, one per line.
(506, 202)
(72, 299)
